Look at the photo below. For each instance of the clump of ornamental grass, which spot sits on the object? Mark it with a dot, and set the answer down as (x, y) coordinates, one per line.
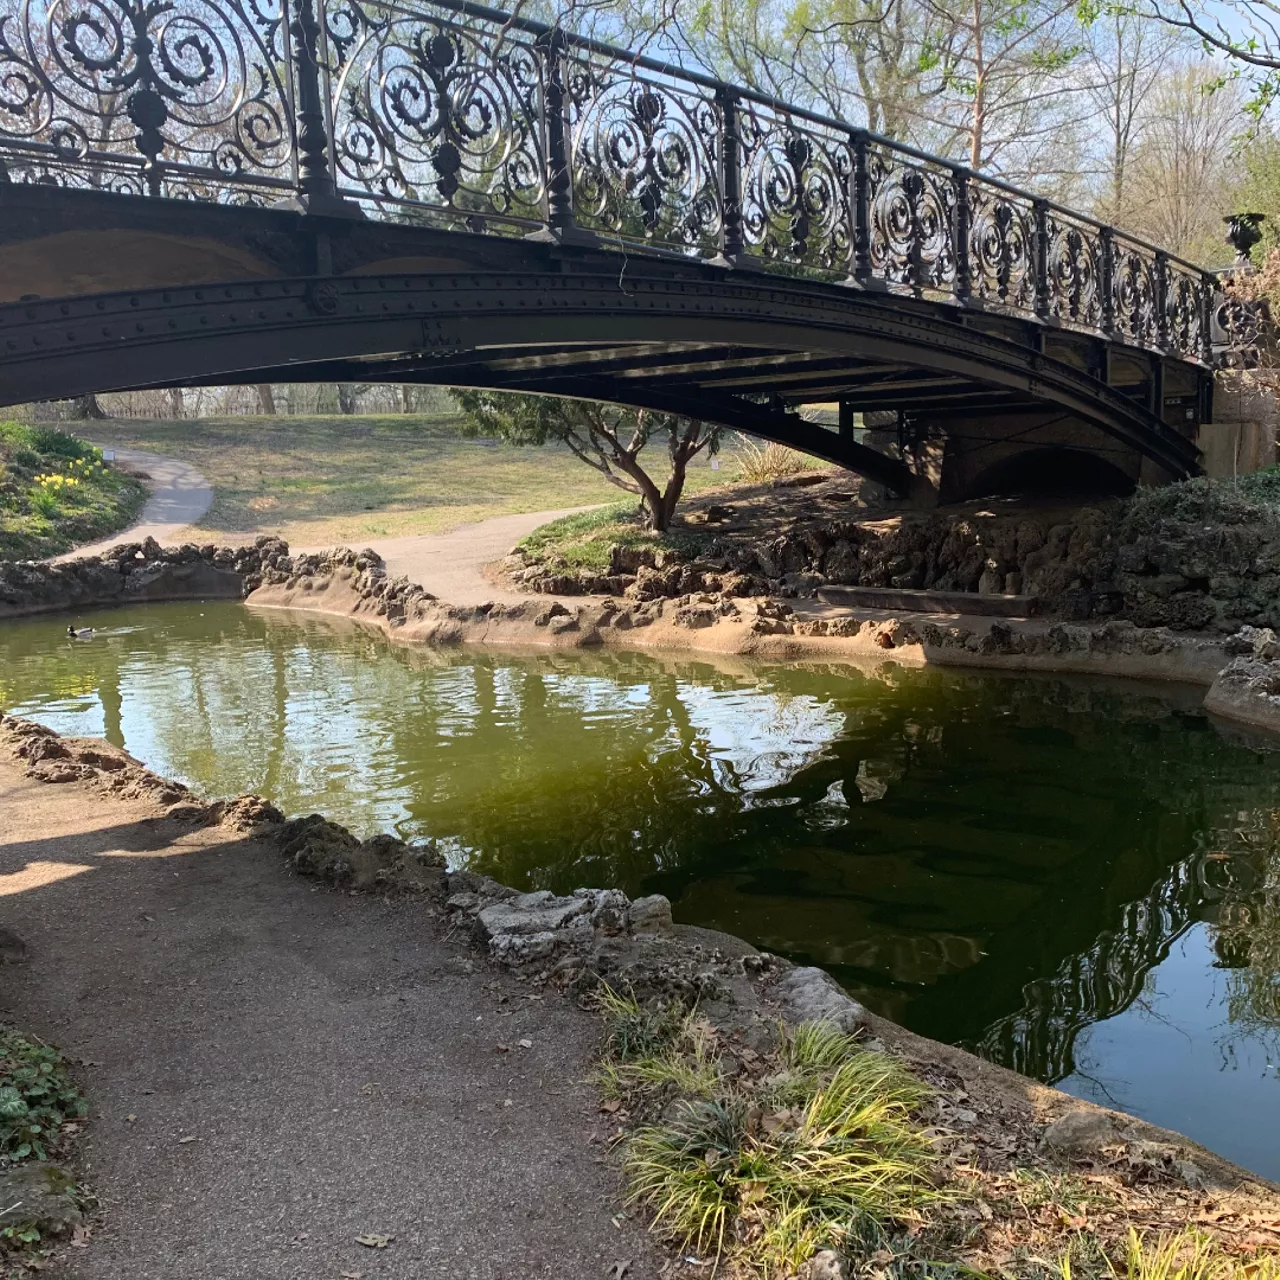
(761, 463)
(824, 1152)
(1183, 1255)
(666, 1049)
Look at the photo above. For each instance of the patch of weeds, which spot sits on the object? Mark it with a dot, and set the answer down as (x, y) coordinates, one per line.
(760, 463)
(823, 1152)
(37, 1097)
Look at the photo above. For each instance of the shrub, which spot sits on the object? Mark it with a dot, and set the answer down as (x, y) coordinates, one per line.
(37, 1098)
(1251, 499)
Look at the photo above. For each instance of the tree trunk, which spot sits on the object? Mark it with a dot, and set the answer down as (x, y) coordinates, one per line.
(406, 397)
(671, 495)
(176, 407)
(346, 398)
(83, 407)
(266, 399)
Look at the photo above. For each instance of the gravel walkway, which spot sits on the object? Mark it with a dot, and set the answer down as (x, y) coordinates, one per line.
(276, 1069)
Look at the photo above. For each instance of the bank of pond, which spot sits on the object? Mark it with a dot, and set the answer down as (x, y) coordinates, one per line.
(1077, 878)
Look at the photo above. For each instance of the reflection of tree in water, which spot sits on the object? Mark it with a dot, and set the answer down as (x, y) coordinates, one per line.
(1233, 883)
(1243, 866)
(1039, 1039)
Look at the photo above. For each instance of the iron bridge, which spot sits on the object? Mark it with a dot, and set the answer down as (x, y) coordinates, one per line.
(247, 191)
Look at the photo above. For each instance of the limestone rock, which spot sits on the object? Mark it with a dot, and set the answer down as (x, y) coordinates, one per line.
(826, 1264)
(650, 915)
(812, 995)
(1079, 1132)
(41, 1195)
(530, 913)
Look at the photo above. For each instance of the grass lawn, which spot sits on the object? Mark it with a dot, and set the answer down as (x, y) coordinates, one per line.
(327, 480)
(55, 493)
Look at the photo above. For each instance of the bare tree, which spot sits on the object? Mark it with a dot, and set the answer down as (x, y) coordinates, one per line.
(1245, 32)
(1183, 168)
(1123, 56)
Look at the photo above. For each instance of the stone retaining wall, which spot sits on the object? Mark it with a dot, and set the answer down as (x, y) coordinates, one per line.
(1204, 564)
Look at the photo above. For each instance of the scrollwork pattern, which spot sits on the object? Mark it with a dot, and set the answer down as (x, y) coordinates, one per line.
(1135, 294)
(912, 209)
(432, 113)
(1001, 247)
(1075, 271)
(1185, 313)
(795, 192)
(162, 86)
(473, 120)
(645, 158)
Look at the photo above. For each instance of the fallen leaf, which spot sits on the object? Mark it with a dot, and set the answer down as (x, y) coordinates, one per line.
(619, 1269)
(611, 1106)
(525, 1044)
(189, 1138)
(129, 1119)
(502, 1048)
(351, 1275)
(371, 1241)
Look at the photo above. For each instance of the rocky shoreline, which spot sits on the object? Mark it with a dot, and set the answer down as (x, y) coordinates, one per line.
(1240, 671)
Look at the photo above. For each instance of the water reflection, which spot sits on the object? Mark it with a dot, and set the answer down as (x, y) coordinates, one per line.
(1011, 864)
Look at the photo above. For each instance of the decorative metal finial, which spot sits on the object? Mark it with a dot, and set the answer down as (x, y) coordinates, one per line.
(1243, 234)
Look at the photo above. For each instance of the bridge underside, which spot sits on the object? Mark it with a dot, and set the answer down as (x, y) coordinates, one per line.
(105, 292)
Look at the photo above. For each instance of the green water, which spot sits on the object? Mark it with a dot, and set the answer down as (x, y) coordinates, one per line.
(1080, 879)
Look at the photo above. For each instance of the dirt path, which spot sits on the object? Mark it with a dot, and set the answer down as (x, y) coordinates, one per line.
(331, 1056)
(180, 495)
(451, 565)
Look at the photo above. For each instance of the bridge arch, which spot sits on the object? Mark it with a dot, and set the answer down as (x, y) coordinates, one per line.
(299, 232)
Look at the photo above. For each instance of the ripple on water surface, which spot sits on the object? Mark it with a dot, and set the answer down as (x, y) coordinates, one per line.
(1081, 879)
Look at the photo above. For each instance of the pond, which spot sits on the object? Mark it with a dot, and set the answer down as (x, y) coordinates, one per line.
(1079, 879)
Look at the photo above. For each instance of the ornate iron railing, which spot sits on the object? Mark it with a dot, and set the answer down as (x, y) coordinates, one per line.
(452, 114)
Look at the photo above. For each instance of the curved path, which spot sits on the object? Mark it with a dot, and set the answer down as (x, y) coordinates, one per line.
(180, 495)
(451, 565)
(276, 1070)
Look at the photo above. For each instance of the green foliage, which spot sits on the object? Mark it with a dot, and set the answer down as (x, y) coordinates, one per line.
(823, 1154)
(55, 491)
(654, 1050)
(1250, 499)
(606, 437)
(617, 518)
(37, 1097)
(584, 542)
(1260, 190)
